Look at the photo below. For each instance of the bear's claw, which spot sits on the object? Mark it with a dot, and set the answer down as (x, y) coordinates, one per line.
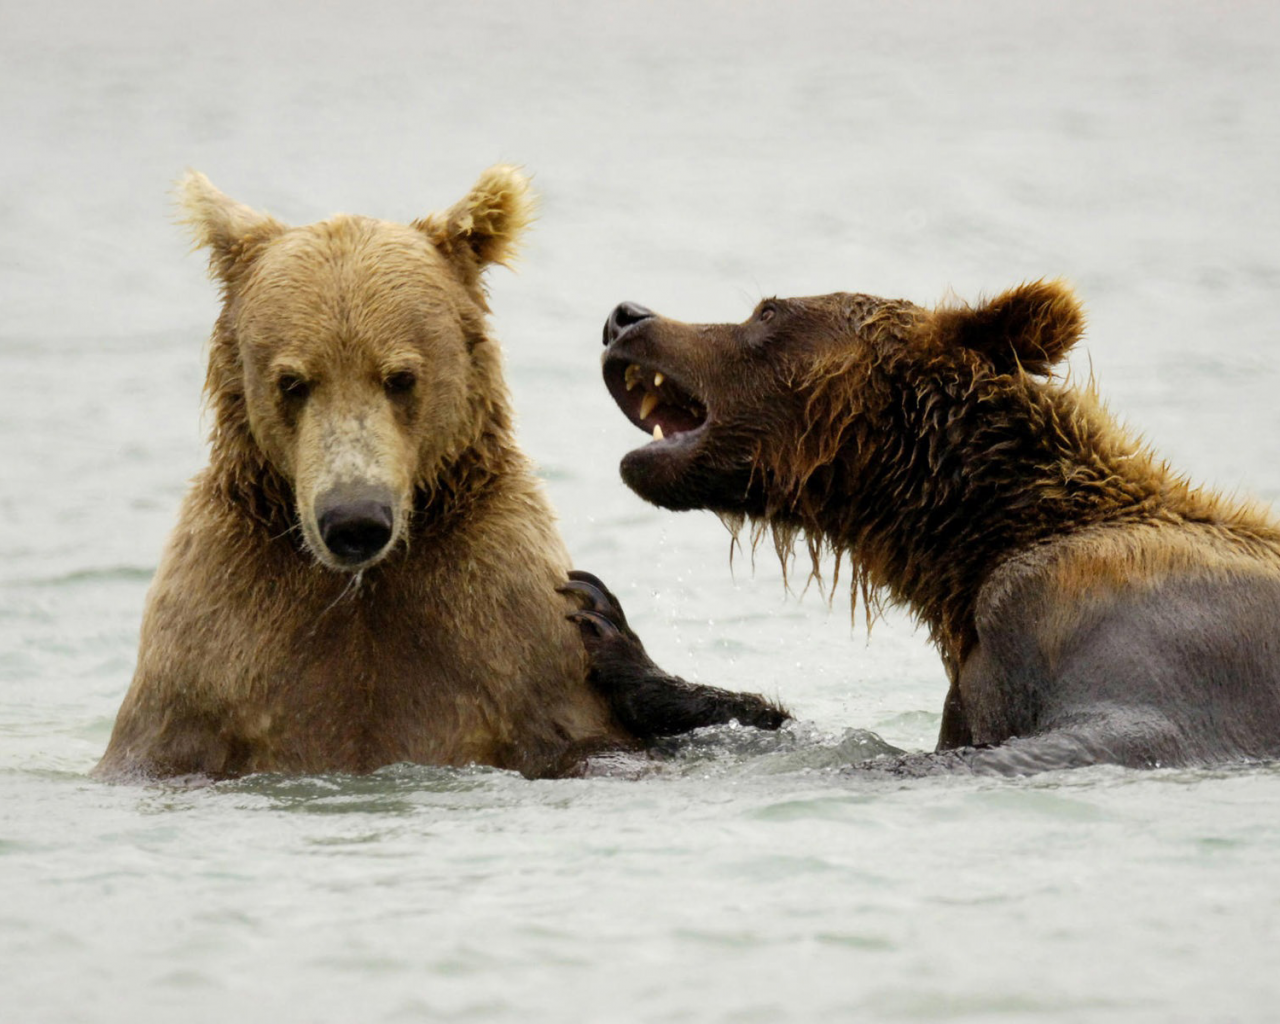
(600, 606)
(646, 700)
(600, 623)
(611, 644)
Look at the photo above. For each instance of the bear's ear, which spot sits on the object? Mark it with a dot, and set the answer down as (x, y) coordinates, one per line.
(485, 226)
(1032, 326)
(233, 232)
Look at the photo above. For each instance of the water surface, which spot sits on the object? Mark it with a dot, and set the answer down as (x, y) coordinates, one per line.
(694, 157)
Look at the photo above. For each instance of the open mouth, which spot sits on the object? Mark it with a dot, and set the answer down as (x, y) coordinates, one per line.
(650, 399)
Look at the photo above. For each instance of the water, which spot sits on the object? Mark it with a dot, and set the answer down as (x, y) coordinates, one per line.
(693, 157)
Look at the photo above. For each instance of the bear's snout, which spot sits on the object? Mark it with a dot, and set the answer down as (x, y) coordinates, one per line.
(624, 315)
(355, 530)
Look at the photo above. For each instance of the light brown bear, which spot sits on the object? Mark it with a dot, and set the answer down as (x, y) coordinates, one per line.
(1088, 603)
(366, 572)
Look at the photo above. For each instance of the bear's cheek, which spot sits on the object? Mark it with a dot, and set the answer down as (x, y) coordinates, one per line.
(273, 427)
(441, 420)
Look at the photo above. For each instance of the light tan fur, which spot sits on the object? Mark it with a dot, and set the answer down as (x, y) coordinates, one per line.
(354, 352)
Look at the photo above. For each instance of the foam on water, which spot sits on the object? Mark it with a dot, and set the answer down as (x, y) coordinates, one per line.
(692, 156)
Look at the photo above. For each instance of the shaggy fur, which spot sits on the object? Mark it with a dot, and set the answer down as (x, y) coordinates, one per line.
(1080, 593)
(352, 357)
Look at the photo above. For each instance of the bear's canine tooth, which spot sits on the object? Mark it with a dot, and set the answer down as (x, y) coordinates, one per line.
(658, 379)
(648, 404)
(632, 376)
(657, 431)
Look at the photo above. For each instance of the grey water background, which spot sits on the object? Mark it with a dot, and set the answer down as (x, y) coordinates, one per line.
(695, 157)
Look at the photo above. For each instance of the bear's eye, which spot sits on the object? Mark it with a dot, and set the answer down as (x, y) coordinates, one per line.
(292, 386)
(400, 383)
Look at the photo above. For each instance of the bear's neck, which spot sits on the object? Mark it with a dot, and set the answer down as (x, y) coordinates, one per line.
(966, 473)
(468, 481)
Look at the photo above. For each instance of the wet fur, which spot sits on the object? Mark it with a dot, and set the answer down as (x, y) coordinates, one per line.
(454, 648)
(1088, 603)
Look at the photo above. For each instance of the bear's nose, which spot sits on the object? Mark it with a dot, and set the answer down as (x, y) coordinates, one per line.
(355, 531)
(624, 315)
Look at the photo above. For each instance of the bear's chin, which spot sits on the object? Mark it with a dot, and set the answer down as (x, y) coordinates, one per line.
(671, 478)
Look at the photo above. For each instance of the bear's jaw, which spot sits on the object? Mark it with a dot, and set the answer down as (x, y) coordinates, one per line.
(679, 468)
(649, 397)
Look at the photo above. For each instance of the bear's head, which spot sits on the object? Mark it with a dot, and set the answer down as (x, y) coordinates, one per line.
(350, 370)
(744, 415)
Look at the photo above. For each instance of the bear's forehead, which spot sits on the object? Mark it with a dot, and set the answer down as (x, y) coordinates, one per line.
(352, 287)
(351, 268)
(858, 311)
(371, 248)
(851, 303)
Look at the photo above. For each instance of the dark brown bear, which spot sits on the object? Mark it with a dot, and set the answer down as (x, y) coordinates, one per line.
(1089, 605)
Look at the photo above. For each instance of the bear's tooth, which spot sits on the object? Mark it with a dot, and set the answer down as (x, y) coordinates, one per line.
(658, 379)
(648, 404)
(657, 431)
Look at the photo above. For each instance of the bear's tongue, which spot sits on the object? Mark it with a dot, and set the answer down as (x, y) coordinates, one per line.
(664, 409)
